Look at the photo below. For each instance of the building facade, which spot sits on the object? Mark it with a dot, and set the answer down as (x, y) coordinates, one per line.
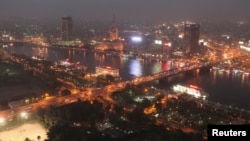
(107, 70)
(191, 38)
(67, 28)
(113, 31)
(113, 42)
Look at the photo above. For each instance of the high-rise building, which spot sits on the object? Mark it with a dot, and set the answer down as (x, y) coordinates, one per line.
(66, 28)
(191, 38)
(113, 31)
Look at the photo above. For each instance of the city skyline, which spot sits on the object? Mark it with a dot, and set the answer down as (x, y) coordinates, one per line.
(67, 28)
(155, 70)
(128, 11)
(191, 38)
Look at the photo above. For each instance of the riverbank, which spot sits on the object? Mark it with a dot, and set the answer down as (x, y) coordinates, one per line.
(16, 83)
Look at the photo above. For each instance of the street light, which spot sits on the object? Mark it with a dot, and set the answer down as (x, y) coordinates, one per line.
(24, 115)
(2, 120)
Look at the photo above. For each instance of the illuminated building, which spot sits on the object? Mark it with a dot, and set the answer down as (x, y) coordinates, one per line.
(113, 31)
(191, 38)
(190, 90)
(107, 70)
(38, 58)
(115, 45)
(67, 65)
(66, 28)
(113, 42)
(245, 46)
(132, 38)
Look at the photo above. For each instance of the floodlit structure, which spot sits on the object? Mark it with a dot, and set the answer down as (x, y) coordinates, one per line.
(113, 42)
(107, 70)
(245, 46)
(38, 58)
(113, 31)
(190, 90)
(66, 65)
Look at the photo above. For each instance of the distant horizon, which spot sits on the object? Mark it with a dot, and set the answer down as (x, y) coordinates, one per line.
(118, 21)
(139, 11)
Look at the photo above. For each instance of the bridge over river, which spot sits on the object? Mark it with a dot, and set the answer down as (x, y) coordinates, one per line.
(144, 79)
(104, 92)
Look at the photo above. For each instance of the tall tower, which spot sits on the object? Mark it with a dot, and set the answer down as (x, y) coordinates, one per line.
(66, 28)
(191, 38)
(113, 31)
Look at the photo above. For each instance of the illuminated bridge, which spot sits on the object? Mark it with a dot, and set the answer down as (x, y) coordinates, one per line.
(144, 79)
(14, 42)
(7, 115)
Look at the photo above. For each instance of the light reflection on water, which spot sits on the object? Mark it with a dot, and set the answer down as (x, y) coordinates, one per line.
(127, 65)
(225, 88)
(135, 68)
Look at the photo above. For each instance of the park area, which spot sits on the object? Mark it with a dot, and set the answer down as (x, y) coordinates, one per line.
(15, 82)
(31, 130)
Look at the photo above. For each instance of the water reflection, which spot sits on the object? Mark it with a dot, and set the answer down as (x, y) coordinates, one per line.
(213, 73)
(242, 80)
(135, 68)
(224, 88)
(165, 66)
(156, 68)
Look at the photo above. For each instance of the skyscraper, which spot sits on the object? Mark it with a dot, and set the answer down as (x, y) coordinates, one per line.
(191, 38)
(113, 31)
(66, 28)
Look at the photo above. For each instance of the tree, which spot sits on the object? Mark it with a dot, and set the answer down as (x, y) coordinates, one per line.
(110, 78)
(146, 103)
(65, 92)
(138, 116)
(38, 138)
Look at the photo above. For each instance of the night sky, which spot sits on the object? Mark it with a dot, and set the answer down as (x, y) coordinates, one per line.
(129, 10)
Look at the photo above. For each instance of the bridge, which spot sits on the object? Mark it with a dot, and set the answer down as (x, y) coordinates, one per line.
(7, 43)
(14, 41)
(144, 79)
(216, 49)
(104, 93)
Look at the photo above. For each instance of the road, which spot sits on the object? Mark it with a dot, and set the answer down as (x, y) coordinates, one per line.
(103, 94)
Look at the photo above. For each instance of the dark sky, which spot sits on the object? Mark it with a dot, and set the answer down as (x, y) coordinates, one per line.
(129, 10)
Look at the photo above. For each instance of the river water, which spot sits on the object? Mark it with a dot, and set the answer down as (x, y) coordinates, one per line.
(225, 88)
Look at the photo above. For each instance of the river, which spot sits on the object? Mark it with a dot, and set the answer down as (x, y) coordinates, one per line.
(231, 89)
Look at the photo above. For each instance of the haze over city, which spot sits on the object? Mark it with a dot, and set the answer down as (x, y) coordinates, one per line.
(129, 10)
(124, 70)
